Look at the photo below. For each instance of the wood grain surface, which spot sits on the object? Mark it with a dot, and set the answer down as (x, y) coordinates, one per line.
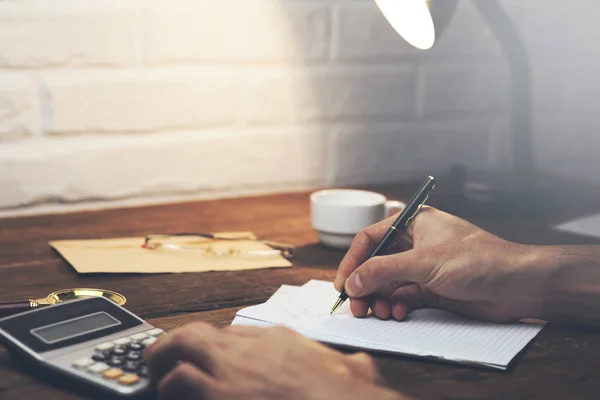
(561, 363)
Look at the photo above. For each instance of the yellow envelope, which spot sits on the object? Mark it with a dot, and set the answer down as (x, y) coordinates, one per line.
(127, 255)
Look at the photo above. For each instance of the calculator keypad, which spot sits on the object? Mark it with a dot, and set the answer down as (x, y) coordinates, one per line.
(97, 367)
(132, 366)
(86, 362)
(99, 357)
(133, 356)
(139, 336)
(129, 379)
(118, 351)
(104, 346)
(113, 373)
(120, 360)
(149, 341)
(155, 332)
(135, 346)
(116, 361)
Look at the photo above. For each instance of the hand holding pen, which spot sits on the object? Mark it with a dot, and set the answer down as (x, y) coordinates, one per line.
(403, 220)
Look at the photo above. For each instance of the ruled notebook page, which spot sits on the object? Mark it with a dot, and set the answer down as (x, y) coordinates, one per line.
(426, 333)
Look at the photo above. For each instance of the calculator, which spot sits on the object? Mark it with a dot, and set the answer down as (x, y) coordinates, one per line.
(93, 340)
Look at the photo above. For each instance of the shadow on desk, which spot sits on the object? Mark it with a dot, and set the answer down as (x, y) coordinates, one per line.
(318, 256)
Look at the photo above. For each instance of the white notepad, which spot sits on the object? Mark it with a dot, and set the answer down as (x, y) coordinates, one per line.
(427, 333)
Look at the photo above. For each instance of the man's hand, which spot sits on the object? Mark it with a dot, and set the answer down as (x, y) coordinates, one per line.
(440, 261)
(239, 362)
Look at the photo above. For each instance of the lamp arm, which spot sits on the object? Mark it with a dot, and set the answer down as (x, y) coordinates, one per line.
(520, 83)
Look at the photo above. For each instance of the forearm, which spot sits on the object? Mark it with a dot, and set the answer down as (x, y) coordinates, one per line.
(569, 283)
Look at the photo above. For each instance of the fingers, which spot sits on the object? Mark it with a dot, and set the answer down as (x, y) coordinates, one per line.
(414, 266)
(188, 344)
(360, 307)
(400, 310)
(404, 300)
(185, 382)
(360, 249)
(397, 305)
(381, 308)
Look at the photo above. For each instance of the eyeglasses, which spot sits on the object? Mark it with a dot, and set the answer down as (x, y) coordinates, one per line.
(213, 246)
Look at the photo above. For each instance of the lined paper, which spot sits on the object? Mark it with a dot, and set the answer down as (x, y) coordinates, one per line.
(428, 333)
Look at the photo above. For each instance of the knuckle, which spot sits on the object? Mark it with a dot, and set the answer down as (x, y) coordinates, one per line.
(360, 239)
(182, 372)
(175, 381)
(373, 269)
(201, 326)
(178, 337)
(185, 331)
(183, 339)
(222, 390)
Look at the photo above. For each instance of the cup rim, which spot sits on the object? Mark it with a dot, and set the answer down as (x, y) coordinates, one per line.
(319, 193)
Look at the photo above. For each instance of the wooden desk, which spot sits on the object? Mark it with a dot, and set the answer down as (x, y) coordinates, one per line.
(561, 363)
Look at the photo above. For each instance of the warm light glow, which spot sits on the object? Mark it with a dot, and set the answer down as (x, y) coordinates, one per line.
(411, 19)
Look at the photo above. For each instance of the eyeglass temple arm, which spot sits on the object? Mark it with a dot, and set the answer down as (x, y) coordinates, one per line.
(279, 245)
(271, 243)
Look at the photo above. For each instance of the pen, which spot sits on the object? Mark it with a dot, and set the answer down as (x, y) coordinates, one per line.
(405, 217)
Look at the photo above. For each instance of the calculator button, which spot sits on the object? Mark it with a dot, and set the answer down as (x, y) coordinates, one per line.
(138, 336)
(85, 362)
(98, 367)
(113, 373)
(155, 332)
(118, 351)
(135, 346)
(149, 341)
(143, 372)
(131, 366)
(99, 357)
(133, 356)
(116, 361)
(104, 346)
(122, 341)
(129, 379)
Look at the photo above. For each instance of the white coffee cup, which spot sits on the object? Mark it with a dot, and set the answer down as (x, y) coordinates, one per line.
(339, 214)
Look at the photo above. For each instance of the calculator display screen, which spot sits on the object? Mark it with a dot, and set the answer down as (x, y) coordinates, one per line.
(68, 323)
(74, 327)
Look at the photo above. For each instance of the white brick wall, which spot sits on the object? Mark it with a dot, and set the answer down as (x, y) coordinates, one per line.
(60, 33)
(154, 164)
(18, 107)
(237, 31)
(138, 101)
(105, 102)
(330, 94)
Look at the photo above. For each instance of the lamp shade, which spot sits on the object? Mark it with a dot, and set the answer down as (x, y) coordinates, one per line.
(419, 22)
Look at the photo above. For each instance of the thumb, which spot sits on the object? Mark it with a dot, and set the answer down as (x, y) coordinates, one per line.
(398, 269)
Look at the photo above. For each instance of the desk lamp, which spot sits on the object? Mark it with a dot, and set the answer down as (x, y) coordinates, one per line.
(420, 23)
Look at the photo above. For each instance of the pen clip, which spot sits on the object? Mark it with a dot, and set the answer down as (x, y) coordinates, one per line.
(417, 209)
